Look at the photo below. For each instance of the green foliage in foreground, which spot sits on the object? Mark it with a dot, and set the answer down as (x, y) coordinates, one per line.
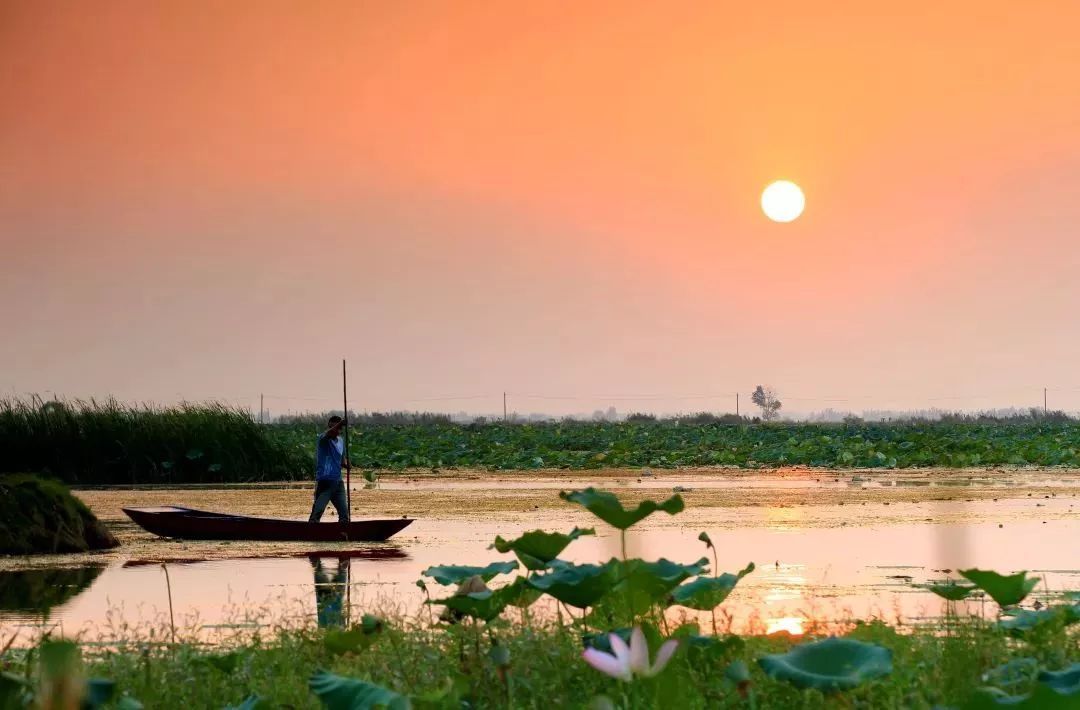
(525, 665)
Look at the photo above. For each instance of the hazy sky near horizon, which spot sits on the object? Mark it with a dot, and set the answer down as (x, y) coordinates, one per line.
(217, 199)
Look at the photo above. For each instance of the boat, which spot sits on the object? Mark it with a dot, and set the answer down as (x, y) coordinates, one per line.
(178, 521)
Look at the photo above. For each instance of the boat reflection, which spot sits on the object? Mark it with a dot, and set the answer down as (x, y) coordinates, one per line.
(380, 552)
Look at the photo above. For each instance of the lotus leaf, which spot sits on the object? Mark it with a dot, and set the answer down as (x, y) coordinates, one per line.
(1018, 671)
(1064, 682)
(1006, 590)
(340, 693)
(829, 665)
(456, 574)
(537, 548)
(1019, 621)
(607, 507)
(488, 604)
(579, 586)
(707, 593)
(1042, 698)
(950, 590)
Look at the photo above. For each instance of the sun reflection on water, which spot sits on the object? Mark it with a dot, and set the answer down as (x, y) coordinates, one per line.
(789, 624)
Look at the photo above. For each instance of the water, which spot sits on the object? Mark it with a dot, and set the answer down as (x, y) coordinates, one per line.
(828, 548)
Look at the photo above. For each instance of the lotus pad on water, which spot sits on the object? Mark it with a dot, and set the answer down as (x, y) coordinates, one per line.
(456, 574)
(607, 507)
(707, 593)
(536, 548)
(1006, 590)
(829, 665)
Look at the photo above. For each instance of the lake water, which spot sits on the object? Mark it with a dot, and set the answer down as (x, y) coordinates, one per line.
(829, 547)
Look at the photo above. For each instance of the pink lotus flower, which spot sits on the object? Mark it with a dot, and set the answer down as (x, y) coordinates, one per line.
(629, 661)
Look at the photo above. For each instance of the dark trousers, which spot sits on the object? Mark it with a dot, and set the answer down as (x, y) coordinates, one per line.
(330, 492)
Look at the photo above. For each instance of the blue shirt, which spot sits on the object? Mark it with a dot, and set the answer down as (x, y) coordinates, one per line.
(328, 455)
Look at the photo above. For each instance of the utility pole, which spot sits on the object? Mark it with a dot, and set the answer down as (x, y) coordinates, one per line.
(1044, 401)
(504, 407)
(262, 420)
(736, 404)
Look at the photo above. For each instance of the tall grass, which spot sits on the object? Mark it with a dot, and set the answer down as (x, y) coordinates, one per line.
(112, 443)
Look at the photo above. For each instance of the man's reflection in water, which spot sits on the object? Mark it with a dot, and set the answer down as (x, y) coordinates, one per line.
(331, 602)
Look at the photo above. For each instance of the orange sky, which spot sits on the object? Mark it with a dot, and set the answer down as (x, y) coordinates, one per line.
(217, 199)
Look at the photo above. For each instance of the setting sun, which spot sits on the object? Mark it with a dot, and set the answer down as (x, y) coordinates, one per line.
(782, 201)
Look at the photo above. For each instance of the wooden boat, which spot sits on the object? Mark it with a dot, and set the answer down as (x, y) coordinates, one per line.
(189, 524)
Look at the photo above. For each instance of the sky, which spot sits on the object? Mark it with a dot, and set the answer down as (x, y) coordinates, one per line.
(213, 200)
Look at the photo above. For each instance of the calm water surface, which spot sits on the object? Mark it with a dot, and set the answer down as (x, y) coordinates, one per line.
(821, 562)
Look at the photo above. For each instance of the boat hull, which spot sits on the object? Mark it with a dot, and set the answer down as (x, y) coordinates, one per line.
(190, 524)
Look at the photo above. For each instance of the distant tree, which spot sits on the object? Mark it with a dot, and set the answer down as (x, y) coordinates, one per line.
(767, 399)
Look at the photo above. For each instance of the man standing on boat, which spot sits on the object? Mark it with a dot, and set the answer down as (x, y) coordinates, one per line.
(329, 458)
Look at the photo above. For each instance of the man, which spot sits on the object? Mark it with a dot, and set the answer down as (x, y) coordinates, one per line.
(329, 488)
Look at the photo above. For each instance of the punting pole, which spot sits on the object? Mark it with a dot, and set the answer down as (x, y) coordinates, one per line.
(348, 466)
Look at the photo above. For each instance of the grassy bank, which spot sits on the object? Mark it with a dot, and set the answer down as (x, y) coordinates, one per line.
(95, 442)
(41, 516)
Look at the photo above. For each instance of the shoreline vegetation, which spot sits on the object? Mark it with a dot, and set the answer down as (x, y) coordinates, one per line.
(41, 516)
(108, 443)
(619, 638)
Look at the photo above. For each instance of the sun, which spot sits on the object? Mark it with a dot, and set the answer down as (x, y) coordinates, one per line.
(783, 201)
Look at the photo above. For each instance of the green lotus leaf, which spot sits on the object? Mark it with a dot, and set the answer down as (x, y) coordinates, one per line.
(1020, 621)
(1006, 590)
(707, 593)
(536, 548)
(579, 586)
(479, 605)
(456, 574)
(650, 582)
(488, 604)
(1064, 682)
(949, 590)
(607, 507)
(1043, 697)
(1019, 671)
(704, 537)
(340, 693)
(829, 665)
(520, 594)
